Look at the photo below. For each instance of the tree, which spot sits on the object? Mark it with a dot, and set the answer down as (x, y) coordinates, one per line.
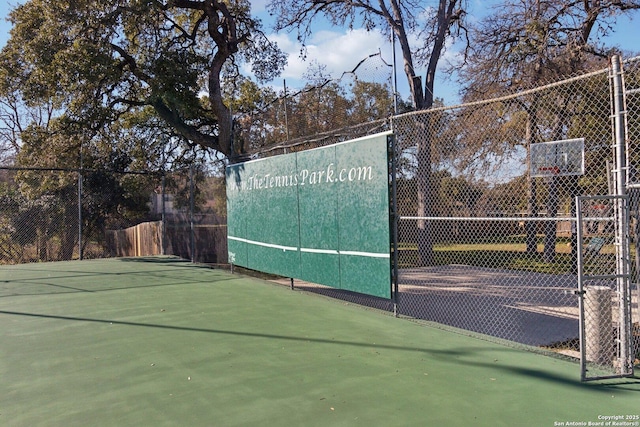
(97, 60)
(525, 43)
(324, 104)
(248, 102)
(314, 110)
(16, 114)
(431, 26)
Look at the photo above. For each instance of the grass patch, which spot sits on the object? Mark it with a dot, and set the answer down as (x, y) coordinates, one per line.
(510, 253)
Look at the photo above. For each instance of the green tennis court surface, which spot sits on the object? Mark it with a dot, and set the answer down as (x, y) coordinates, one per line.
(158, 341)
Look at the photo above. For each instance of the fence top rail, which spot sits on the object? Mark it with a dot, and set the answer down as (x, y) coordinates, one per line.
(632, 59)
(509, 96)
(81, 170)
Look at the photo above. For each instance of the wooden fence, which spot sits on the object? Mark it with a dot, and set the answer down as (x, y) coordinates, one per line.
(143, 239)
(207, 243)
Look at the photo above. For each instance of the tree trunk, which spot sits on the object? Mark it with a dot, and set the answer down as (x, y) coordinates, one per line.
(423, 100)
(532, 226)
(425, 193)
(42, 240)
(68, 233)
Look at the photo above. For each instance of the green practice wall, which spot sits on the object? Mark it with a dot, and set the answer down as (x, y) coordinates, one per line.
(320, 215)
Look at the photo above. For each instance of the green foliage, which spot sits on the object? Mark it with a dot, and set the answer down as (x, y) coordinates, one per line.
(95, 61)
(371, 101)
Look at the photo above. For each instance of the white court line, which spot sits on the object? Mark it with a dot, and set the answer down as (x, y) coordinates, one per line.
(312, 250)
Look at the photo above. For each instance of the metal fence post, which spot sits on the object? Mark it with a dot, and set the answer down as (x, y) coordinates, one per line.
(163, 231)
(191, 209)
(80, 210)
(622, 223)
(394, 224)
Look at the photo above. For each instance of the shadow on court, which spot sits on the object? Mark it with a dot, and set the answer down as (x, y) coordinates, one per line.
(98, 276)
(469, 354)
(533, 309)
(175, 345)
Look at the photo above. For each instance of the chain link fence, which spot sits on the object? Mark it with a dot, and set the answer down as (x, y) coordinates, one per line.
(603, 284)
(632, 131)
(487, 231)
(487, 245)
(42, 227)
(57, 215)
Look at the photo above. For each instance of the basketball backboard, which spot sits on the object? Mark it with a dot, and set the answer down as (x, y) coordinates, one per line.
(563, 158)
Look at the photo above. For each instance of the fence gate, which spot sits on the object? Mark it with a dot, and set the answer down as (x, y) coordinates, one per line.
(604, 287)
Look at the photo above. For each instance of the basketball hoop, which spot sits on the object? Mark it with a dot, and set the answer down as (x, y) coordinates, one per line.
(557, 158)
(549, 170)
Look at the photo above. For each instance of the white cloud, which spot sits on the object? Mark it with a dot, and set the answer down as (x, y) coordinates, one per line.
(340, 50)
(337, 51)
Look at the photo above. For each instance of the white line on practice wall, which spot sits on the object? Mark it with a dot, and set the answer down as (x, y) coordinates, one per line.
(312, 250)
(365, 254)
(266, 245)
(319, 251)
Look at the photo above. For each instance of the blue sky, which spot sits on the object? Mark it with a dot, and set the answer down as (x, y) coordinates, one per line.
(340, 49)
